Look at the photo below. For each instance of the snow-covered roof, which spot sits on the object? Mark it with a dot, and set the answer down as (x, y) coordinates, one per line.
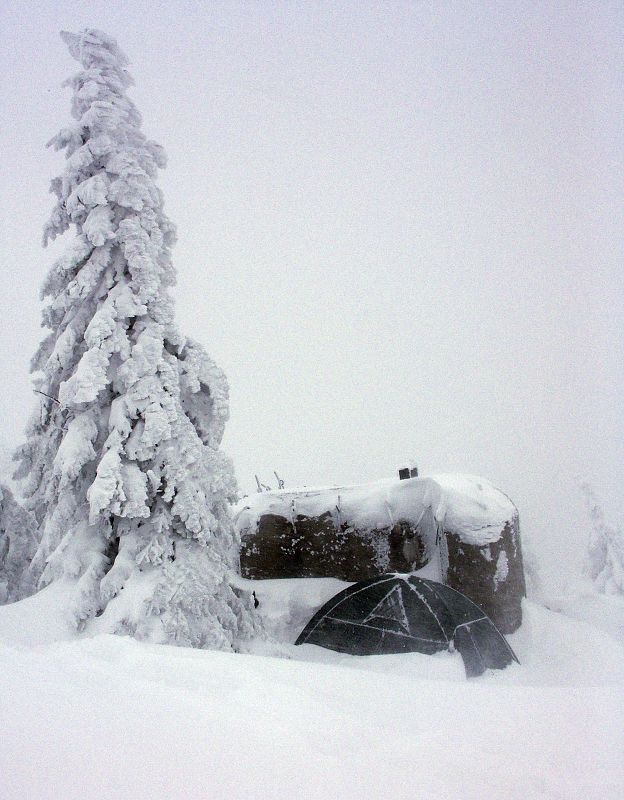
(466, 505)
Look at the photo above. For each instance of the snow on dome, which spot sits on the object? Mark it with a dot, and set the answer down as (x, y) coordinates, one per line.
(473, 508)
(466, 505)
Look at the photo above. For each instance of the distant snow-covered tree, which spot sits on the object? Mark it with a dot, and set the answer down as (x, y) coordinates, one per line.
(17, 547)
(122, 467)
(605, 549)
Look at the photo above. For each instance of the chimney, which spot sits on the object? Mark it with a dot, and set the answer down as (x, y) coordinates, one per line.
(408, 470)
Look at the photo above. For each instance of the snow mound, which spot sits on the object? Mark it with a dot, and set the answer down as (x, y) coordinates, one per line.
(40, 619)
(103, 717)
(110, 718)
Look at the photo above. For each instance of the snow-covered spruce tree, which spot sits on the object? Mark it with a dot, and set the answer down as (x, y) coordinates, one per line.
(17, 547)
(122, 467)
(604, 563)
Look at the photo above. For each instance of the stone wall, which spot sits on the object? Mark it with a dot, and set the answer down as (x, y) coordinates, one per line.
(315, 547)
(491, 575)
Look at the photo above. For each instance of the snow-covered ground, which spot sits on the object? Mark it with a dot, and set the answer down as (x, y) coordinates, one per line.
(109, 717)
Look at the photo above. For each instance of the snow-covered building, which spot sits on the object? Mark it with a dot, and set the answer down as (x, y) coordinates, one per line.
(456, 529)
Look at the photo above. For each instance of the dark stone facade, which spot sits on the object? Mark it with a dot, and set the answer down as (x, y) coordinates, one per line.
(315, 547)
(492, 575)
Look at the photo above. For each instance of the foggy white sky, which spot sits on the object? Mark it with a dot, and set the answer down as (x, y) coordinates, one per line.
(399, 229)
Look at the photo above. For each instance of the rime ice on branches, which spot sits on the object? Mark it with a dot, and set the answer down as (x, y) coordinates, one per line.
(122, 465)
